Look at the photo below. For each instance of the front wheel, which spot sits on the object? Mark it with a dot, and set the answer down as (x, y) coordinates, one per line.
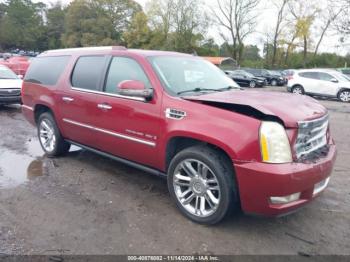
(201, 182)
(274, 82)
(252, 84)
(344, 96)
(50, 137)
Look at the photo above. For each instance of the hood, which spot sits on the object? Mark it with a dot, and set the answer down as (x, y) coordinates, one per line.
(10, 83)
(289, 108)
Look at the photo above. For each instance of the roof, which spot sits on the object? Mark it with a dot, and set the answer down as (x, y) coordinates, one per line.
(318, 70)
(109, 49)
(217, 60)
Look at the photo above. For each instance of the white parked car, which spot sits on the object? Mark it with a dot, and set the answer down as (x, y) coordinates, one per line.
(10, 86)
(320, 82)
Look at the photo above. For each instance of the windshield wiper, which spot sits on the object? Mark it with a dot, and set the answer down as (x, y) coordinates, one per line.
(226, 88)
(197, 90)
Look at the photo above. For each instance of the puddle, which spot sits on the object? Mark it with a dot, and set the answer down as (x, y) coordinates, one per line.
(18, 168)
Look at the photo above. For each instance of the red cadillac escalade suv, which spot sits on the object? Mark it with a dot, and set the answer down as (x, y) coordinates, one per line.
(179, 116)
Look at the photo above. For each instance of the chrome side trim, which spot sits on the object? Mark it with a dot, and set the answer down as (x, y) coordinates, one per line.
(108, 132)
(78, 123)
(141, 99)
(28, 107)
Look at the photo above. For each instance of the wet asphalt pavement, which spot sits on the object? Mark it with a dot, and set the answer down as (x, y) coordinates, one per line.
(87, 204)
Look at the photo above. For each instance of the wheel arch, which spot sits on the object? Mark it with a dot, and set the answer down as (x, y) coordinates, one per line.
(343, 89)
(41, 108)
(178, 143)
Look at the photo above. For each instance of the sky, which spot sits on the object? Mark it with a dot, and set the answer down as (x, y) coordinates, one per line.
(267, 19)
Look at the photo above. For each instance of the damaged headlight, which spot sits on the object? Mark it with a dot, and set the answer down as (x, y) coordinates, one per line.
(274, 143)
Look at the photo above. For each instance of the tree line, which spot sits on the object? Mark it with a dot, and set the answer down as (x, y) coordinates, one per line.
(299, 28)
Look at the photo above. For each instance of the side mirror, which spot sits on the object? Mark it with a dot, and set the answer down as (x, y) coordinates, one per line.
(134, 88)
(334, 80)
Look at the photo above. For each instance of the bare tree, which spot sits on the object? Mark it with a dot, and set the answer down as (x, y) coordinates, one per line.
(328, 17)
(238, 17)
(281, 7)
(343, 20)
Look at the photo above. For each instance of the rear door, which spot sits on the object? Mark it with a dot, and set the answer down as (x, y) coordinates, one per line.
(310, 82)
(78, 99)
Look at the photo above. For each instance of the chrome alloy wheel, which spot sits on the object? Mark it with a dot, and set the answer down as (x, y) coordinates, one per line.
(196, 187)
(344, 96)
(47, 135)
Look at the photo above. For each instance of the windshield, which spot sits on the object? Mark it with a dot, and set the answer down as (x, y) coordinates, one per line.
(341, 77)
(186, 74)
(247, 74)
(6, 73)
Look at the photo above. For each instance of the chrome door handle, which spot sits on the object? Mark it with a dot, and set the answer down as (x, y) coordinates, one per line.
(104, 106)
(67, 99)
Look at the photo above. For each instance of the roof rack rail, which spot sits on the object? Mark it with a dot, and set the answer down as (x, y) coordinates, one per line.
(91, 48)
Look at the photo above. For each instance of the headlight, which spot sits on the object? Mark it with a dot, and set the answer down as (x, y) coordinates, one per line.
(274, 143)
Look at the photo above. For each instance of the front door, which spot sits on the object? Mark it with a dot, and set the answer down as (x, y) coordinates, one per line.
(129, 127)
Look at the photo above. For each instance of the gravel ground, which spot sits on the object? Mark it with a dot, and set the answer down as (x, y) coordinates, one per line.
(87, 204)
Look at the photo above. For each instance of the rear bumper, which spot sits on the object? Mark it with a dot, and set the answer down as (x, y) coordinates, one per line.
(259, 181)
(5, 100)
(28, 113)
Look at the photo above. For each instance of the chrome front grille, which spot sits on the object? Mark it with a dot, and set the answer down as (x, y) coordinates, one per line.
(312, 136)
(10, 92)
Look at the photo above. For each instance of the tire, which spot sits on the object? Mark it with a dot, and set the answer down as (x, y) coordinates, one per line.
(50, 137)
(252, 84)
(344, 96)
(298, 90)
(219, 174)
(274, 82)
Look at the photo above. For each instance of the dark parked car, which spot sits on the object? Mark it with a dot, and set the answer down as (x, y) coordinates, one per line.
(272, 78)
(345, 71)
(245, 79)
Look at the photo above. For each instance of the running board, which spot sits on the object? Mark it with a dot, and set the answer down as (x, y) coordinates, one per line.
(122, 160)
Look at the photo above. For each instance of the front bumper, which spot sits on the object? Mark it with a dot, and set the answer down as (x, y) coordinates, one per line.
(6, 100)
(258, 182)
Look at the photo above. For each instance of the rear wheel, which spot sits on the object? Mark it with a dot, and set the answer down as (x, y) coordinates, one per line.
(298, 90)
(274, 82)
(201, 182)
(50, 137)
(344, 96)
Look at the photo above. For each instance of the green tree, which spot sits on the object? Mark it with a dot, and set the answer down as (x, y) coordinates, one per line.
(97, 22)
(55, 16)
(22, 25)
(139, 34)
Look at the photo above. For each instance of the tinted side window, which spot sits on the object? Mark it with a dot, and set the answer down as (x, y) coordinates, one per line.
(121, 69)
(46, 70)
(325, 76)
(311, 75)
(88, 72)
